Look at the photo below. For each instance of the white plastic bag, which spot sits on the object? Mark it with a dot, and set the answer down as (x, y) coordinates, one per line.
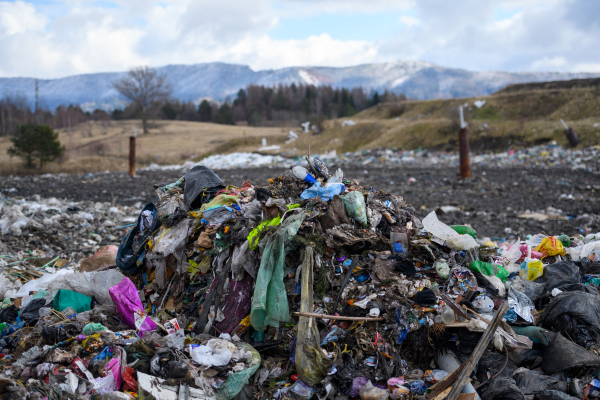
(451, 238)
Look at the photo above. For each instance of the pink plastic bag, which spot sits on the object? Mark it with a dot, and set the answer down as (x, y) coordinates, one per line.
(130, 307)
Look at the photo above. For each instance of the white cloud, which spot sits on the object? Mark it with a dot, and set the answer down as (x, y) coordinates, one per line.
(409, 21)
(82, 37)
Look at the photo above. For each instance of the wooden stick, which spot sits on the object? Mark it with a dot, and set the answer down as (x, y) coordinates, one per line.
(470, 364)
(322, 316)
(483, 319)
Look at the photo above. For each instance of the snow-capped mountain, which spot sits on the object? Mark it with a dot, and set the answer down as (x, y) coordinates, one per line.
(416, 79)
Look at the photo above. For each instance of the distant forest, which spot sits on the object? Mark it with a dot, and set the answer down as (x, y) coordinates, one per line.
(255, 105)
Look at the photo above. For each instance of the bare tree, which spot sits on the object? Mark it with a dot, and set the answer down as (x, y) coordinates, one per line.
(146, 89)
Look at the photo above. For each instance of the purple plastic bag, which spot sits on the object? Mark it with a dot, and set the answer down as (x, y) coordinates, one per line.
(357, 383)
(130, 307)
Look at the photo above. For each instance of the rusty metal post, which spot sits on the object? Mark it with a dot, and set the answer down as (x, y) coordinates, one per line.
(463, 147)
(131, 155)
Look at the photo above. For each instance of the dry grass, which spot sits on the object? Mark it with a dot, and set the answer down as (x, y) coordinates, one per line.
(97, 146)
(515, 119)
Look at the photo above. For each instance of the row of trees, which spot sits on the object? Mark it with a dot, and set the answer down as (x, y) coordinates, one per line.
(149, 94)
(15, 112)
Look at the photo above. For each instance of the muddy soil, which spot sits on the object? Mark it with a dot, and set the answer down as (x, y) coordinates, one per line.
(489, 201)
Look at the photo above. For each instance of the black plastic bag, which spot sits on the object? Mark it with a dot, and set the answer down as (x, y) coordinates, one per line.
(201, 185)
(562, 355)
(559, 274)
(485, 283)
(263, 194)
(165, 365)
(9, 314)
(554, 395)
(32, 310)
(425, 298)
(576, 314)
(533, 382)
(405, 267)
(491, 363)
(503, 389)
(132, 245)
(57, 334)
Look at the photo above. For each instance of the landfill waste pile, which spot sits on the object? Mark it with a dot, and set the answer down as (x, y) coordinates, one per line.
(313, 286)
(541, 156)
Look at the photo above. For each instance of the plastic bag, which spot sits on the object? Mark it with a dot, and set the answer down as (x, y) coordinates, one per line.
(252, 236)
(68, 298)
(465, 230)
(130, 308)
(235, 382)
(269, 304)
(370, 392)
(576, 314)
(559, 274)
(533, 382)
(172, 241)
(212, 354)
(562, 354)
(92, 284)
(201, 186)
(503, 389)
(354, 202)
(551, 246)
(451, 238)
(164, 364)
(325, 193)
(93, 327)
(489, 269)
(531, 269)
(133, 244)
(311, 364)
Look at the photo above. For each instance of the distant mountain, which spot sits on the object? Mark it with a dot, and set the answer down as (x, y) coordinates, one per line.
(416, 79)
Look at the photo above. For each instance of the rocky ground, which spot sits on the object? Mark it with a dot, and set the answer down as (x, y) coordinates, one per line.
(491, 200)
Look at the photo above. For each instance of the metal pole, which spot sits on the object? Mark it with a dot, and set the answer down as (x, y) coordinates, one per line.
(463, 147)
(131, 155)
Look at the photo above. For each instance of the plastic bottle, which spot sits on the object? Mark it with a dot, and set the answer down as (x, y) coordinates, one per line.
(448, 316)
(302, 173)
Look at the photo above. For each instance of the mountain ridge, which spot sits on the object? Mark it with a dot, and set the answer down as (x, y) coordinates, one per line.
(218, 80)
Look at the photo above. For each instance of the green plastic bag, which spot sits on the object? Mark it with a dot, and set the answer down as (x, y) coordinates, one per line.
(311, 364)
(354, 202)
(68, 298)
(235, 382)
(92, 328)
(464, 230)
(489, 269)
(269, 303)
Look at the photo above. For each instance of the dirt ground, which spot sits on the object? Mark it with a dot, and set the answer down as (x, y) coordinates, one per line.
(490, 201)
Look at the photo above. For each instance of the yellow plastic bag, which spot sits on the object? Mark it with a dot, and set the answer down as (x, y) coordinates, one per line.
(551, 246)
(531, 270)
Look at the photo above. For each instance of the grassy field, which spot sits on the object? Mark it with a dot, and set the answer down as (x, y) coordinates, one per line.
(516, 117)
(96, 146)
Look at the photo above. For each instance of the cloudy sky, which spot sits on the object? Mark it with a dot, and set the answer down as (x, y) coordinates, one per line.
(54, 38)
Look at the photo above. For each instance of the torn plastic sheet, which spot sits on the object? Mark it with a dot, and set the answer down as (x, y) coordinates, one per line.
(166, 243)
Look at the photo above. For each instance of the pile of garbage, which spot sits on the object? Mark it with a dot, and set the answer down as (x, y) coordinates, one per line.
(310, 287)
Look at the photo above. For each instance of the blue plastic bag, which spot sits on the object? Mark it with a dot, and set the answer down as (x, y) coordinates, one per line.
(325, 193)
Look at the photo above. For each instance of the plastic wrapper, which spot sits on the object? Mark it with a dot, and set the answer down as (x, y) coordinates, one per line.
(130, 308)
(172, 241)
(521, 304)
(68, 298)
(354, 202)
(235, 382)
(503, 389)
(311, 364)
